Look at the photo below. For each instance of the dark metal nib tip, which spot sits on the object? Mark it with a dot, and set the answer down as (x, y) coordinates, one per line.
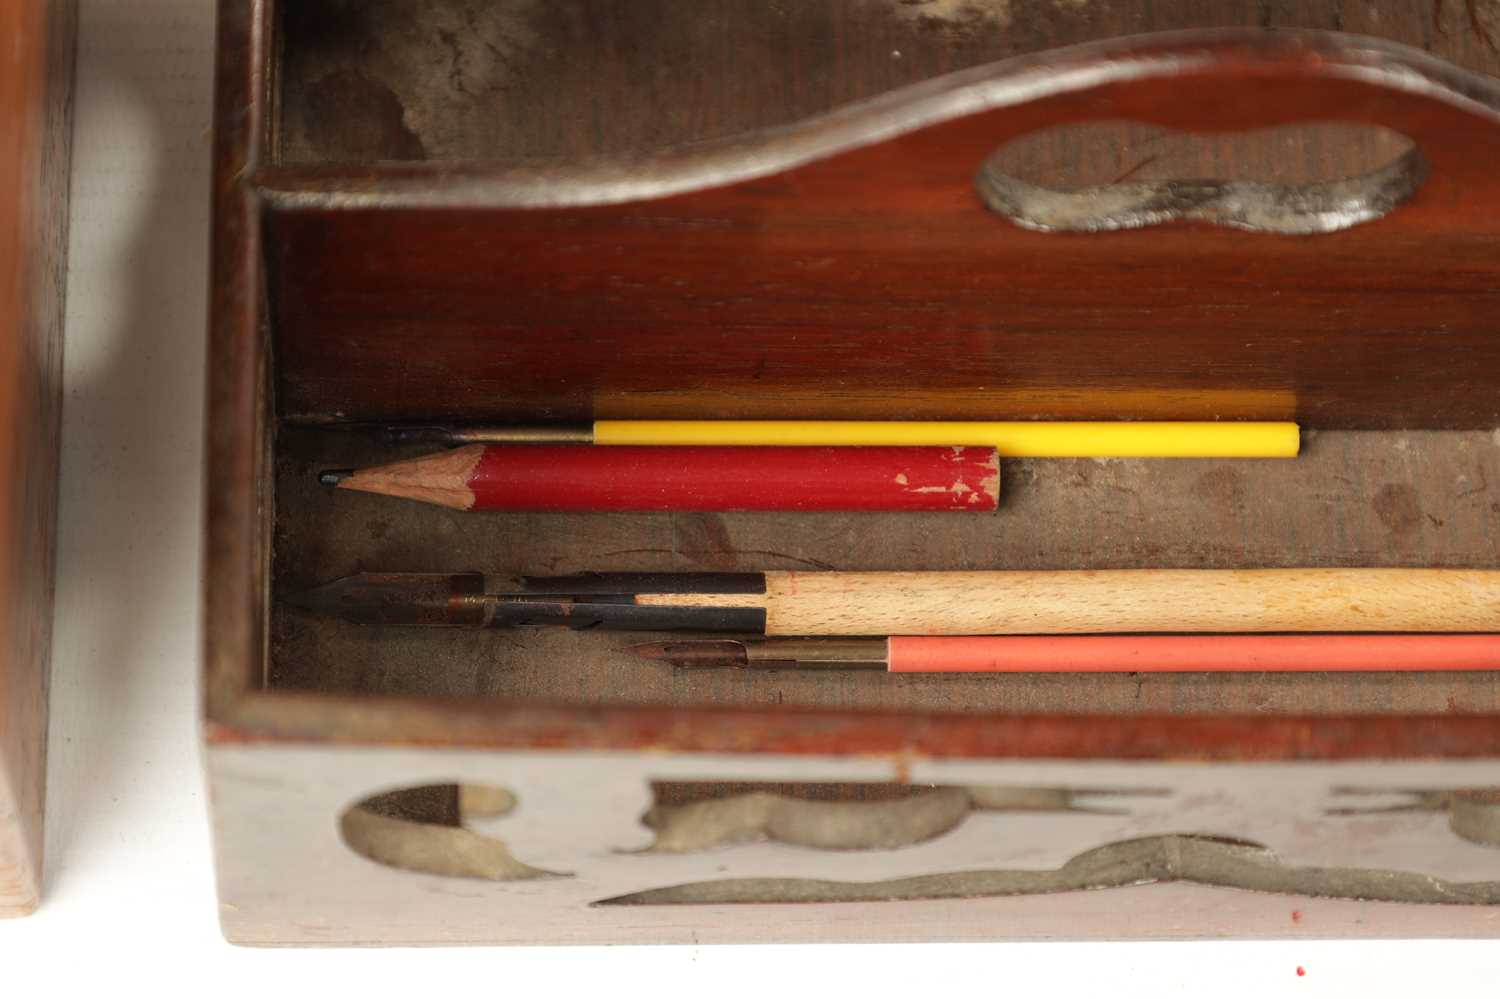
(334, 476)
(306, 600)
(700, 654)
(326, 598)
(418, 435)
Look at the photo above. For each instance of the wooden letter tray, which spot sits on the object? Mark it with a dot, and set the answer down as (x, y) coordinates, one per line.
(545, 212)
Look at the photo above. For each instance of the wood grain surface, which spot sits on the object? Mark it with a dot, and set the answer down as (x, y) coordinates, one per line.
(1130, 600)
(35, 101)
(989, 602)
(844, 266)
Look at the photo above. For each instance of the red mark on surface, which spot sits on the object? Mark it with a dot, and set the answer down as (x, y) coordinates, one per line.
(1301, 971)
(1296, 915)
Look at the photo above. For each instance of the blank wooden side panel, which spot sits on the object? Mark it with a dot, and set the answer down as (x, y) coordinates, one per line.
(35, 100)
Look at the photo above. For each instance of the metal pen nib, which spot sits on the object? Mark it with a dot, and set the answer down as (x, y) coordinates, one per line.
(713, 602)
(694, 655)
(334, 476)
(419, 435)
(498, 434)
(770, 653)
(401, 598)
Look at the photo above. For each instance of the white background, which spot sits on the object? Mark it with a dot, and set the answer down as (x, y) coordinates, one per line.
(129, 887)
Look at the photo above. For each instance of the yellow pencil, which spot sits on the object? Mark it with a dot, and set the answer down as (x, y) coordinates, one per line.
(1012, 439)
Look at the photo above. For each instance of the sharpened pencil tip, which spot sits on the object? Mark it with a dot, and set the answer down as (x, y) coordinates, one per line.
(334, 476)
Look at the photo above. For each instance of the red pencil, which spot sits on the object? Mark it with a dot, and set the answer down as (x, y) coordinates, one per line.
(579, 478)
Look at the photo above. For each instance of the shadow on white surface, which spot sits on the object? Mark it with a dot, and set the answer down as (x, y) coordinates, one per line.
(124, 799)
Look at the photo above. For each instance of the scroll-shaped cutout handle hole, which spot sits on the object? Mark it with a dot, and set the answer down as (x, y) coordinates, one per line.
(1295, 180)
(688, 816)
(1190, 858)
(421, 829)
(1475, 815)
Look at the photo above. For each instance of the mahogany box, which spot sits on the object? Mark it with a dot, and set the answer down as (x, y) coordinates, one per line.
(36, 79)
(537, 212)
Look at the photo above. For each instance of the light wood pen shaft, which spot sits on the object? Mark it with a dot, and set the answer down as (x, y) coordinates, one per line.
(1124, 600)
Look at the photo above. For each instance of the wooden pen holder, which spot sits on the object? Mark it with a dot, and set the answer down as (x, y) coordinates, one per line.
(851, 209)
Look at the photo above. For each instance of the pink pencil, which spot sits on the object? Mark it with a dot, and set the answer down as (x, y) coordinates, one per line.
(1094, 653)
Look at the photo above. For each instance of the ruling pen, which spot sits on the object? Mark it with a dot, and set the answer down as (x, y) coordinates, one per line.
(787, 603)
